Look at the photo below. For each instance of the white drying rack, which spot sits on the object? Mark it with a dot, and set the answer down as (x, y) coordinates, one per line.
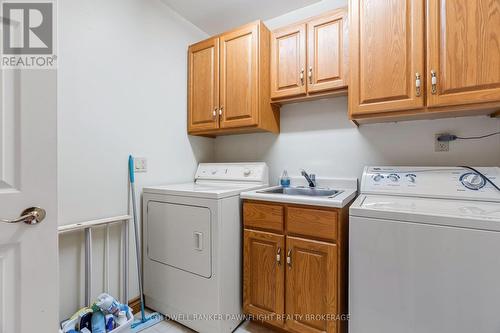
(87, 227)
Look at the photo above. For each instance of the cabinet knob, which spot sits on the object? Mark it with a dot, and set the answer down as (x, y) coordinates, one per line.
(220, 111)
(310, 75)
(289, 258)
(214, 113)
(278, 256)
(302, 76)
(433, 82)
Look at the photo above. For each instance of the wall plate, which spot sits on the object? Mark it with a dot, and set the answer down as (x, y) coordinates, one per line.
(140, 164)
(440, 146)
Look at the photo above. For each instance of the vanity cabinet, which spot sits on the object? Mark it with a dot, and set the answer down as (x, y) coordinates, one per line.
(295, 266)
(228, 83)
(423, 59)
(309, 58)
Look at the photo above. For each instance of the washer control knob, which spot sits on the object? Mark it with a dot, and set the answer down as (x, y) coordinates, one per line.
(378, 177)
(214, 171)
(411, 178)
(472, 181)
(393, 177)
(247, 172)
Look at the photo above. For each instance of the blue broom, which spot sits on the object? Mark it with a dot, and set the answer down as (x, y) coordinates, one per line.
(154, 318)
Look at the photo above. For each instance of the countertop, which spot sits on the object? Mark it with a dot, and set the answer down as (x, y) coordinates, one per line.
(348, 188)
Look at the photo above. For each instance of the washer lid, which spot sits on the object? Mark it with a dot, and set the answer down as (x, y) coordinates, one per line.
(203, 190)
(460, 213)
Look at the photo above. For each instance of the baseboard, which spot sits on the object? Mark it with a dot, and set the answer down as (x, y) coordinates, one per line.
(135, 304)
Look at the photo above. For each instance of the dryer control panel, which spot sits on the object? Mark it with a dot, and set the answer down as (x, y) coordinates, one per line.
(234, 172)
(438, 182)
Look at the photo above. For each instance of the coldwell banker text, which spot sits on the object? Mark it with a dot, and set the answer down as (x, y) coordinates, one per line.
(28, 35)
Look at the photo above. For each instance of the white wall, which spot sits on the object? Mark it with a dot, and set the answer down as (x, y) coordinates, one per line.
(122, 75)
(318, 136)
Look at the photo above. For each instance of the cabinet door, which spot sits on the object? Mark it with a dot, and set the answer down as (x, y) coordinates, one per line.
(239, 77)
(327, 55)
(311, 286)
(203, 76)
(263, 275)
(386, 53)
(288, 62)
(463, 51)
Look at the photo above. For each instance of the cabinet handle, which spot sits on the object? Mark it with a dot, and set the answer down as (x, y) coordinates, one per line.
(418, 83)
(302, 76)
(433, 82)
(289, 258)
(278, 256)
(220, 111)
(214, 113)
(310, 75)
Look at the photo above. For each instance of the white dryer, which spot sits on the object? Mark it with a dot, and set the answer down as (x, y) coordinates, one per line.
(192, 245)
(424, 251)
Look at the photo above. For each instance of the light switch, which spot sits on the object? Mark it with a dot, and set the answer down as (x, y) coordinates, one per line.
(140, 164)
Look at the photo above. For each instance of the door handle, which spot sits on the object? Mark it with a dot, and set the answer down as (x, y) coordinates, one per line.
(199, 240)
(418, 83)
(32, 215)
(433, 82)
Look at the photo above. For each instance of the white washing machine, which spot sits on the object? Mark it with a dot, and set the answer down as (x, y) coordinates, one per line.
(193, 245)
(424, 251)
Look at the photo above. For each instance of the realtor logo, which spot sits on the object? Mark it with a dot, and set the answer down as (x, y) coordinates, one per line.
(28, 34)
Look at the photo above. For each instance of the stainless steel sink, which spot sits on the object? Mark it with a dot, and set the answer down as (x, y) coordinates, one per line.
(307, 191)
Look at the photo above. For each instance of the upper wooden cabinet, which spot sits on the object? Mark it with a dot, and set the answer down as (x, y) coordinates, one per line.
(423, 59)
(203, 80)
(228, 83)
(288, 61)
(309, 59)
(463, 51)
(386, 39)
(327, 55)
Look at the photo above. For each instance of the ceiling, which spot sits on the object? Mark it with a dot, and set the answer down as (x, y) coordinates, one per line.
(215, 16)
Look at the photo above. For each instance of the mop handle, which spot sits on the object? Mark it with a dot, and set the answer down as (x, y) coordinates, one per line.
(136, 229)
(131, 168)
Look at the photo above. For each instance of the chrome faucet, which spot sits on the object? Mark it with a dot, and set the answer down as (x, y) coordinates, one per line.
(311, 179)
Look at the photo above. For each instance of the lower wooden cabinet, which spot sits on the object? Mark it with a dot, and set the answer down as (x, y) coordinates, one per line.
(293, 278)
(311, 285)
(263, 287)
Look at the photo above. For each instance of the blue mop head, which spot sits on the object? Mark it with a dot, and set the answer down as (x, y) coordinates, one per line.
(147, 321)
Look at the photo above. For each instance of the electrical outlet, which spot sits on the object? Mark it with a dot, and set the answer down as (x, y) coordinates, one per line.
(140, 164)
(440, 146)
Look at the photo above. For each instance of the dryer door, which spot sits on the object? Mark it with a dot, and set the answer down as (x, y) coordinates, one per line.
(179, 236)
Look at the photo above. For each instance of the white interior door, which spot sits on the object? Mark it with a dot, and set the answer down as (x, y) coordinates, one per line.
(28, 160)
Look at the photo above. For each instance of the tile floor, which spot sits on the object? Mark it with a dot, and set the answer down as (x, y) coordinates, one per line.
(169, 326)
